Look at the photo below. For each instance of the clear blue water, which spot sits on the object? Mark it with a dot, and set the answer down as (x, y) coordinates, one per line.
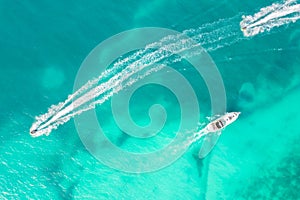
(42, 45)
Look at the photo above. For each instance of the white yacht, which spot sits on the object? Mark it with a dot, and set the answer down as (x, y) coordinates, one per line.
(222, 122)
(213, 132)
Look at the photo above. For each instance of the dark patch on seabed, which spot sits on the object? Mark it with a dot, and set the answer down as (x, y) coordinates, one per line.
(199, 163)
(280, 182)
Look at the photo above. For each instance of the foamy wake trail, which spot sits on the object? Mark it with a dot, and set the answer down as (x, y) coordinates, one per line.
(136, 66)
(193, 136)
(153, 57)
(269, 17)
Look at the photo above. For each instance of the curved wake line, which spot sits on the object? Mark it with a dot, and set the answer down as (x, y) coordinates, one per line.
(153, 57)
(269, 17)
(124, 72)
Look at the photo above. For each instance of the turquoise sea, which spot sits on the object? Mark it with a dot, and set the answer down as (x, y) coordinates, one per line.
(42, 46)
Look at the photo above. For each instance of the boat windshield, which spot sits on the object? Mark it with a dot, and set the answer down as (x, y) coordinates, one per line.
(220, 124)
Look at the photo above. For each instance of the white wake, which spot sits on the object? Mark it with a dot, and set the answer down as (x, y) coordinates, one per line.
(269, 17)
(140, 64)
(135, 67)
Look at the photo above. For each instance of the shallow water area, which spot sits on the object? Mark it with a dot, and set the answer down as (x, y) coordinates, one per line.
(42, 47)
